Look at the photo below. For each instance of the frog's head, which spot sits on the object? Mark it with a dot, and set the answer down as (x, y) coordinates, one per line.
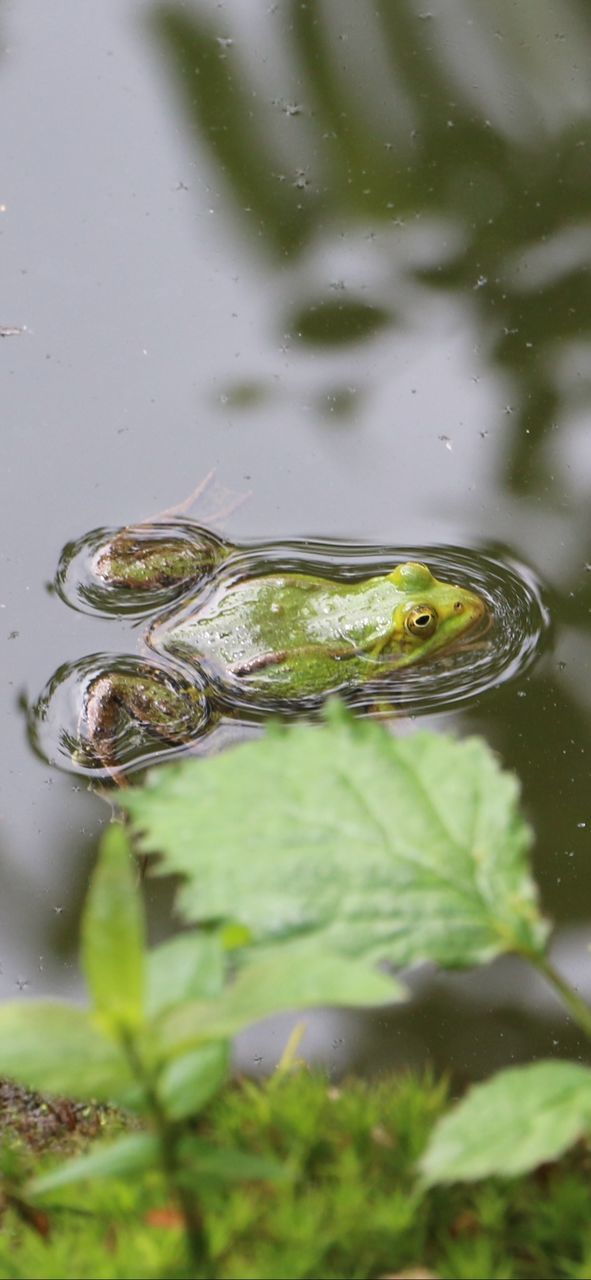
(432, 615)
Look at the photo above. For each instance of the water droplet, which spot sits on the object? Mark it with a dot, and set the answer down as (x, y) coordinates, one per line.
(290, 108)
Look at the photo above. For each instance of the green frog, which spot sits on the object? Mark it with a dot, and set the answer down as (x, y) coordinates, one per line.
(270, 641)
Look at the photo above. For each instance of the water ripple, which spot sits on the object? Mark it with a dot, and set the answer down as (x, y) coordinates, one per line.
(517, 624)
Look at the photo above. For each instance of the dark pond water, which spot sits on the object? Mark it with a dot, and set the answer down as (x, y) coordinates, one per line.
(341, 254)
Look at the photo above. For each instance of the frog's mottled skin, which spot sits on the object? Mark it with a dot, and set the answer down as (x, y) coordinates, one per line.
(292, 635)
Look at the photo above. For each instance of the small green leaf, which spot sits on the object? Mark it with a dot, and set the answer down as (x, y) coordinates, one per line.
(187, 1083)
(218, 1164)
(57, 1048)
(409, 848)
(113, 934)
(290, 975)
(234, 936)
(511, 1123)
(184, 968)
(131, 1154)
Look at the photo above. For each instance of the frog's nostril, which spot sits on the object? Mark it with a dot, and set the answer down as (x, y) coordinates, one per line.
(458, 606)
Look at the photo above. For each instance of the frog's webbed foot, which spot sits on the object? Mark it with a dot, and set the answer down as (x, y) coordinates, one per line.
(128, 709)
(222, 502)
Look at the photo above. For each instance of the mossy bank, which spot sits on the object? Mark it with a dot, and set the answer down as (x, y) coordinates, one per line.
(348, 1206)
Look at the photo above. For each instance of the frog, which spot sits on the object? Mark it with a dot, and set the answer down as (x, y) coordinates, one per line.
(249, 643)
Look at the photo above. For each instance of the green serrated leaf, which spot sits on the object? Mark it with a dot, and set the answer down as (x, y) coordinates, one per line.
(512, 1123)
(57, 1048)
(184, 968)
(188, 1082)
(113, 934)
(290, 975)
(131, 1154)
(412, 849)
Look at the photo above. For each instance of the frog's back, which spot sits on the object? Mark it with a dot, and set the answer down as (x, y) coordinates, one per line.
(282, 635)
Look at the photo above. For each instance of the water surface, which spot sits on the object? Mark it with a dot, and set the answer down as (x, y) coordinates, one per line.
(343, 258)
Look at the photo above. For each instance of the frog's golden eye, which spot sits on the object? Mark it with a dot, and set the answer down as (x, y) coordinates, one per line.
(422, 620)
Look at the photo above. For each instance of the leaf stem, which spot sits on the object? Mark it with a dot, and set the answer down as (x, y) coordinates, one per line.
(169, 1136)
(577, 1007)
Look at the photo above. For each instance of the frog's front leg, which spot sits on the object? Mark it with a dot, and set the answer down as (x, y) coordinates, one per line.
(125, 709)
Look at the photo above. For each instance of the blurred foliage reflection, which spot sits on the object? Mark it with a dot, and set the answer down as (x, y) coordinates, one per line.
(389, 133)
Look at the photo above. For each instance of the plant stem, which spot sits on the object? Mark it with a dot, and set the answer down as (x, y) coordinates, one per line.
(577, 1007)
(169, 1136)
(195, 1237)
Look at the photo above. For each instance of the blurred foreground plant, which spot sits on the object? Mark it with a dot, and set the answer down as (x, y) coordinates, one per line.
(309, 858)
(156, 1038)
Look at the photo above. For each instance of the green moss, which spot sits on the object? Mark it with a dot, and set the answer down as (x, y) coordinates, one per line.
(350, 1208)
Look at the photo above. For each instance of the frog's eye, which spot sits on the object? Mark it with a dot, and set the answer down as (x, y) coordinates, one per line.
(422, 620)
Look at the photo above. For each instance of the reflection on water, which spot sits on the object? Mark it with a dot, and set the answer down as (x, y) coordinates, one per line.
(392, 133)
(181, 570)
